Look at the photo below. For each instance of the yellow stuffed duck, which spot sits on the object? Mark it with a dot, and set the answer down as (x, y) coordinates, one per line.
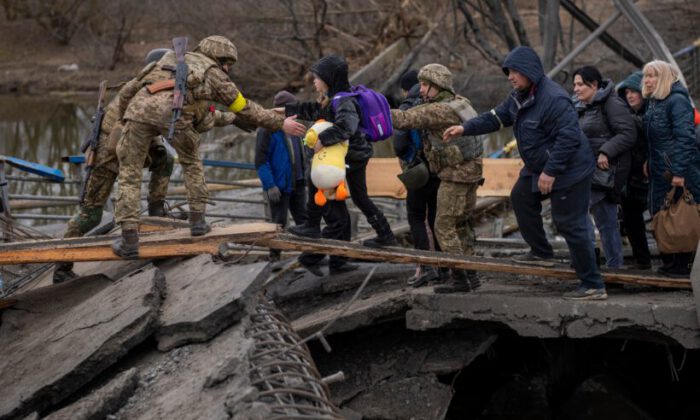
(327, 166)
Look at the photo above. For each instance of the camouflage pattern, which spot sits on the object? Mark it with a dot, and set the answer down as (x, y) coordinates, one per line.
(455, 202)
(216, 47)
(132, 149)
(447, 160)
(438, 75)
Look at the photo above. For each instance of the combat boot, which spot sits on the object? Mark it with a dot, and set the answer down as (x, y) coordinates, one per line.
(385, 237)
(63, 272)
(458, 283)
(198, 226)
(127, 246)
(305, 230)
(157, 209)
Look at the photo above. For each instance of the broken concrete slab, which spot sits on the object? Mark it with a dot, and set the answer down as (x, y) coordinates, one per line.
(204, 297)
(366, 310)
(82, 341)
(196, 381)
(534, 311)
(398, 273)
(101, 402)
(421, 397)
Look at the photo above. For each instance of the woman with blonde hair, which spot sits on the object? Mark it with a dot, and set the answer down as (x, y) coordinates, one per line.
(674, 158)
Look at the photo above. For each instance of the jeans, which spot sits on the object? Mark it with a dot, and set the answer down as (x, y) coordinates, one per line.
(570, 214)
(605, 215)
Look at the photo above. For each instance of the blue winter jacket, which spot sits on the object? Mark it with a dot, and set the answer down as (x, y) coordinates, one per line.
(668, 126)
(545, 125)
(273, 160)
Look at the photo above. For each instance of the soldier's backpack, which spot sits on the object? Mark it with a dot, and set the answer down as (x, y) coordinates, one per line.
(375, 118)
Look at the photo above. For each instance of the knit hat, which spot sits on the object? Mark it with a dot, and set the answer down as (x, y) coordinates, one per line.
(283, 97)
(409, 79)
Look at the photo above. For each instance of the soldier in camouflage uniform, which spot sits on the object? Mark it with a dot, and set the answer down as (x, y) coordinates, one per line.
(457, 163)
(148, 113)
(106, 169)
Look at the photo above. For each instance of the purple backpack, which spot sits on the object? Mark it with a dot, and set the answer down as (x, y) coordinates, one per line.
(375, 118)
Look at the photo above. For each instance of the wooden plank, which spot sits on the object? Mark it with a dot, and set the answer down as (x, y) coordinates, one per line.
(403, 255)
(382, 180)
(500, 176)
(153, 245)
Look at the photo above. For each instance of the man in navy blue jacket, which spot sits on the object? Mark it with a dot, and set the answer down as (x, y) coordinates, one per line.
(558, 164)
(280, 161)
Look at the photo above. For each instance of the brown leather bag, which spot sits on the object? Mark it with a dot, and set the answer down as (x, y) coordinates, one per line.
(677, 225)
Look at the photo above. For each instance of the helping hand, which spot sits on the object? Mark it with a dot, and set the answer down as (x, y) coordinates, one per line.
(293, 128)
(544, 184)
(452, 132)
(274, 195)
(603, 162)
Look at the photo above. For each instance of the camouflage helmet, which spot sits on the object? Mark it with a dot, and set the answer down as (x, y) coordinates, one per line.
(438, 75)
(156, 54)
(415, 176)
(218, 47)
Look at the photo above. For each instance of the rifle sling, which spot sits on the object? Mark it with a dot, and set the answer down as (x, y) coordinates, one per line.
(160, 85)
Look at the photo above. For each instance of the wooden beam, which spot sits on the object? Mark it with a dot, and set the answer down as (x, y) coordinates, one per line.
(176, 243)
(403, 255)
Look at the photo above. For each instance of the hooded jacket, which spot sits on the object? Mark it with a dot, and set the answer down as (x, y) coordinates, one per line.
(345, 115)
(611, 129)
(637, 183)
(668, 126)
(409, 143)
(544, 123)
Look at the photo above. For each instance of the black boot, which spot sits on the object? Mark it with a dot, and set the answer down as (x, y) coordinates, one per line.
(666, 260)
(127, 246)
(305, 230)
(680, 268)
(458, 283)
(157, 209)
(63, 272)
(385, 237)
(198, 226)
(425, 276)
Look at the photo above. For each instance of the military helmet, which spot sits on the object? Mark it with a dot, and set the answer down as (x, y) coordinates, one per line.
(218, 47)
(156, 54)
(438, 75)
(415, 176)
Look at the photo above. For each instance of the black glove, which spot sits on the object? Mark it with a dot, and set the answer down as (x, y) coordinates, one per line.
(274, 195)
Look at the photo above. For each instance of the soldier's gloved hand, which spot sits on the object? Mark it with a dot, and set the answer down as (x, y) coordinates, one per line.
(274, 195)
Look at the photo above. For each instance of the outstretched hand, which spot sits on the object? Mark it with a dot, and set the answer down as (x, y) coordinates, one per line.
(452, 132)
(292, 127)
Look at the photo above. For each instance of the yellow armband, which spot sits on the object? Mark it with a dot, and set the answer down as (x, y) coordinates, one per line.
(238, 104)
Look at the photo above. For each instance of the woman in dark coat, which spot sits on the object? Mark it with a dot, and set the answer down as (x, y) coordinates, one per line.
(609, 125)
(634, 196)
(674, 159)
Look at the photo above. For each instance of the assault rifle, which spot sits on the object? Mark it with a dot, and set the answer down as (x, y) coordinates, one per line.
(180, 90)
(90, 145)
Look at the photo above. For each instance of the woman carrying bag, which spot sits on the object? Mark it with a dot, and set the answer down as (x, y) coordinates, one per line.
(609, 125)
(674, 159)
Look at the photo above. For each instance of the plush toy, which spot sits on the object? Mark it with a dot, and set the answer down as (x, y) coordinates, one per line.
(327, 166)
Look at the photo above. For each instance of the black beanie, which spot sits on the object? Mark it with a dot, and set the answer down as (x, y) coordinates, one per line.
(409, 79)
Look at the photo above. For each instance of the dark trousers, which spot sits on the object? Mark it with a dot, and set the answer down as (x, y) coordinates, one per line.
(570, 215)
(337, 218)
(635, 228)
(292, 202)
(356, 178)
(421, 204)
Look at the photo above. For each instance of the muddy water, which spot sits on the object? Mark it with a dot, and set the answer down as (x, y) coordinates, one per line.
(44, 130)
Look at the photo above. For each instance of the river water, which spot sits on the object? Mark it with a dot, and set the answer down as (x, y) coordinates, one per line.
(44, 130)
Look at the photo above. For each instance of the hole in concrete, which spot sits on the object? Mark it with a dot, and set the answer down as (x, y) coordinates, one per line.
(523, 378)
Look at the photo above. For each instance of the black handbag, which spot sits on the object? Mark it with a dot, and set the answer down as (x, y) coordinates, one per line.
(604, 179)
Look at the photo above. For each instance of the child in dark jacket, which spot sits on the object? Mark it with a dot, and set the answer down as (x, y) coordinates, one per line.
(280, 162)
(330, 78)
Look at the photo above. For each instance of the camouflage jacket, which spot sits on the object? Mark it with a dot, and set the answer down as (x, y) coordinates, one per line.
(456, 161)
(206, 83)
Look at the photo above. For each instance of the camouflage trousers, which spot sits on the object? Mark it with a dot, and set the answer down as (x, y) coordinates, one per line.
(98, 189)
(455, 203)
(132, 150)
